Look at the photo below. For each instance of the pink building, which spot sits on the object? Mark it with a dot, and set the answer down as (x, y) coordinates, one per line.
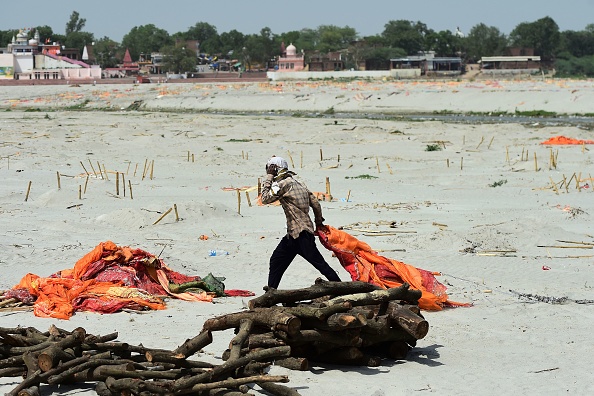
(291, 61)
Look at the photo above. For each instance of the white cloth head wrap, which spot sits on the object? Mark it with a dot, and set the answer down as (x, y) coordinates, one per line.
(278, 161)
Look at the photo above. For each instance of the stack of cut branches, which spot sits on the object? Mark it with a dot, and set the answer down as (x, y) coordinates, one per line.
(62, 357)
(349, 323)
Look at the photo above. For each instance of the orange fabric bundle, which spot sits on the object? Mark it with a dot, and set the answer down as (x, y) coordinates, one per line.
(61, 294)
(562, 140)
(366, 265)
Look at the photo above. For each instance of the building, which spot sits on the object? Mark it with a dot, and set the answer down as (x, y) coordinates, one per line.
(326, 62)
(26, 59)
(429, 64)
(290, 61)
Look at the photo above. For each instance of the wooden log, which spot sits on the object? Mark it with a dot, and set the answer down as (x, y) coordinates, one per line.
(273, 319)
(51, 357)
(413, 324)
(76, 338)
(262, 355)
(12, 361)
(102, 389)
(31, 362)
(331, 338)
(277, 389)
(193, 345)
(31, 380)
(136, 386)
(31, 391)
(319, 289)
(343, 321)
(167, 356)
(266, 340)
(235, 382)
(18, 371)
(227, 392)
(293, 363)
(320, 313)
(378, 296)
(89, 363)
(245, 327)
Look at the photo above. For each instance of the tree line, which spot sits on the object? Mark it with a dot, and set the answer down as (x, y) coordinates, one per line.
(570, 52)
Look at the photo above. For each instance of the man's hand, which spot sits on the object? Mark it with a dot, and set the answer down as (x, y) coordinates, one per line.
(272, 169)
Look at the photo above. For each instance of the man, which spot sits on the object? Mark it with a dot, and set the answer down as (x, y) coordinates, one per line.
(295, 199)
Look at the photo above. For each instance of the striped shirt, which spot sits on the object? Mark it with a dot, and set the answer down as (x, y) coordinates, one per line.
(295, 199)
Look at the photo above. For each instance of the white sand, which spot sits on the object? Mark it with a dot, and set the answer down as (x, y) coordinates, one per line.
(502, 345)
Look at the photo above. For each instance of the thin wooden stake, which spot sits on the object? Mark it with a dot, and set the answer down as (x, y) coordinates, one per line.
(348, 195)
(105, 171)
(83, 165)
(526, 155)
(377, 164)
(507, 154)
(192, 157)
(100, 172)
(556, 158)
(461, 163)
(93, 168)
(578, 179)
(321, 155)
(79, 192)
(117, 180)
(301, 163)
(152, 168)
(448, 162)
(338, 158)
(163, 215)
(28, 191)
(59, 185)
(491, 142)
(188, 155)
(291, 158)
(522, 157)
(238, 202)
(129, 164)
(130, 188)
(247, 196)
(554, 185)
(565, 184)
(86, 183)
(328, 186)
(535, 163)
(145, 168)
(135, 169)
(481, 142)
(242, 155)
(176, 214)
(124, 184)
(389, 168)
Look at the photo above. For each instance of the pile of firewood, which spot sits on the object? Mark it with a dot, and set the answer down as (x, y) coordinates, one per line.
(348, 323)
(351, 323)
(62, 357)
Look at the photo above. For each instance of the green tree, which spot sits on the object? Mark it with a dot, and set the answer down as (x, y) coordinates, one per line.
(543, 35)
(444, 43)
(78, 40)
(578, 44)
(308, 40)
(105, 51)
(75, 23)
(6, 36)
(146, 39)
(483, 40)
(207, 35)
(178, 59)
(408, 35)
(232, 41)
(334, 38)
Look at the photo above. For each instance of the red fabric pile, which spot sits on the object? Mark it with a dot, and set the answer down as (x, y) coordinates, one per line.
(106, 280)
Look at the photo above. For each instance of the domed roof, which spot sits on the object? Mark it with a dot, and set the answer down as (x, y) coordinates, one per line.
(33, 42)
(22, 35)
(291, 50)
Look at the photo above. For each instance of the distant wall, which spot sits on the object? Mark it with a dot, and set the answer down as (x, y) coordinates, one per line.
(366, 74)
(6, 66)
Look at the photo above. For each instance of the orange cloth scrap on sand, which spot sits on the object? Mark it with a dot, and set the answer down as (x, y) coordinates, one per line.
(562, 140)
(365, 265)
(106, 280)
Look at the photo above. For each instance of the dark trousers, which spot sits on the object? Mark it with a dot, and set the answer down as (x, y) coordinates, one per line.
(288, 248)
